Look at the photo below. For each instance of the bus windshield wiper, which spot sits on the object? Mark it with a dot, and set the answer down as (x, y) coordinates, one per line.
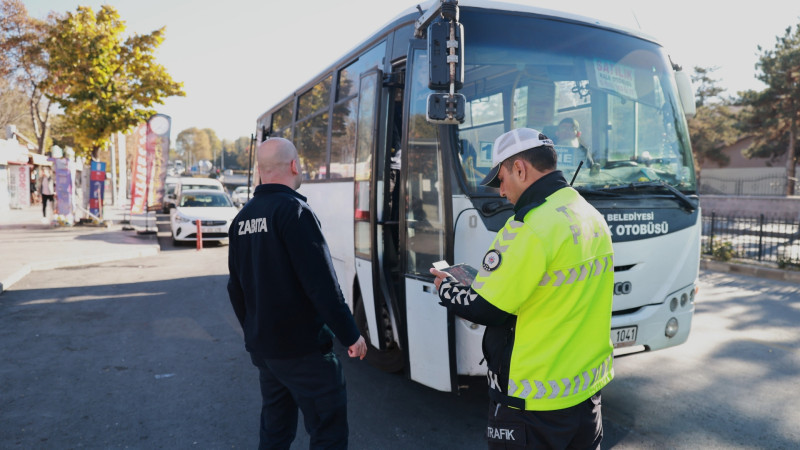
(678, 195)
(586, 190)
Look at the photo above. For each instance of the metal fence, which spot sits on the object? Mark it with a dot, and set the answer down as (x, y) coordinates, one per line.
(753, 238)
(767, 185)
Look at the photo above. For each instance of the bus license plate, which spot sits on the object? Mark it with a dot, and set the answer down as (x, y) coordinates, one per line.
(623, 337)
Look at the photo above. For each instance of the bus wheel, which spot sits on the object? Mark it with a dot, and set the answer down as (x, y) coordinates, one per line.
(389, 360)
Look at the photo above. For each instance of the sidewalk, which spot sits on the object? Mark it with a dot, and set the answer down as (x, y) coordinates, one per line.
(27, 244)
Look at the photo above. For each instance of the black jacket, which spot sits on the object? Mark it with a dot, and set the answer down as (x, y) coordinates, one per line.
(282, 284)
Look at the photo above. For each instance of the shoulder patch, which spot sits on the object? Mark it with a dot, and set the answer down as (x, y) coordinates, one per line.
(491, 260)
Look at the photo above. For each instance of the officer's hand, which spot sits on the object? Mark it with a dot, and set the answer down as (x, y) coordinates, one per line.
(359, 349)
(440, 276)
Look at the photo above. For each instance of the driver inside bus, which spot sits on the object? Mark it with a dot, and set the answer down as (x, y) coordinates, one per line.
(568, 135)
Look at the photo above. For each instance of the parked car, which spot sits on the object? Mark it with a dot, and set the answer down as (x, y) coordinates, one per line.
(241, 195)
(186, 183)
(169, 194)
(213, 208)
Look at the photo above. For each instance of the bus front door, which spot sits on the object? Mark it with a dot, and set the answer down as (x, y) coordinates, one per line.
(429, 326)
(375, 312)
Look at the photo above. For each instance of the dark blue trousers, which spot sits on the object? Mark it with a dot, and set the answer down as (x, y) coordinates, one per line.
(314, 383)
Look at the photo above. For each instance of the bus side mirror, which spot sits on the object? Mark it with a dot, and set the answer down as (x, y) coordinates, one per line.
(444, 109)
(439, 57)
(686, 93)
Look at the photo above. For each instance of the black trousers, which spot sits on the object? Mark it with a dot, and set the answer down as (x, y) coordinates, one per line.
(314, 383)
(576, 427)
(47, 198)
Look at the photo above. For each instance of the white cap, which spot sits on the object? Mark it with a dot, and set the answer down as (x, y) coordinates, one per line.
(509, 144)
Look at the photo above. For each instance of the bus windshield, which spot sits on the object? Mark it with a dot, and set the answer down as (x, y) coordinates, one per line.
(605, 98)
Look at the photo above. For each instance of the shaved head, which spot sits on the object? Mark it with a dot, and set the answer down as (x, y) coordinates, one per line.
(278, 162)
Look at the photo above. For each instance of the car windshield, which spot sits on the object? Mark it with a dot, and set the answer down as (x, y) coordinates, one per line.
(187, 187)
(208, 199)
(605, 98)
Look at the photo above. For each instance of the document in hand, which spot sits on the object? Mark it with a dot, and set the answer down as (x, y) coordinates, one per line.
(463, 273)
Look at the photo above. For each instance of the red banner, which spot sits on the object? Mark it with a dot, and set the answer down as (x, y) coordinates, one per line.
(158, 130)
(139, 171)
(150, 156)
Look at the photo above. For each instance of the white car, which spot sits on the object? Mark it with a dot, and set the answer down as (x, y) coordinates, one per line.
(186, 183)
(241, 195)
(169, 194)
(214, 209)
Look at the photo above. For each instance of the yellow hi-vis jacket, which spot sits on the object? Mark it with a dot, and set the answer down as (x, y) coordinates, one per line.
(554, 272)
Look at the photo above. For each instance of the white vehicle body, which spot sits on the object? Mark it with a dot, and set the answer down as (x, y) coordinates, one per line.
(523, 66)
(241, 195)
(213, 208)
(186, 183)
(170, 185)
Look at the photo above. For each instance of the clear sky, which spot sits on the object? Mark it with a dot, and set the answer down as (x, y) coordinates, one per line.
(238, 57)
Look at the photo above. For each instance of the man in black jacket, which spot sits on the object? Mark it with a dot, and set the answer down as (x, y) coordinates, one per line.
(285, 293)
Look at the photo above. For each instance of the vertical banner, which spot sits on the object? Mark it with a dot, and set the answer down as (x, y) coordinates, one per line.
(19, 186)
(97, 182)
(139, 170)
(63, 186)
(158, 130)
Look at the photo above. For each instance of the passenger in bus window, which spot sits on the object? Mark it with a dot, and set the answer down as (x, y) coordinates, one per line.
(544, 292)
(286, 296)
(568, 135)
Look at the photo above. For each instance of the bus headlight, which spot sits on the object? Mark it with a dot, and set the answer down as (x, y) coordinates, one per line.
(672, 328)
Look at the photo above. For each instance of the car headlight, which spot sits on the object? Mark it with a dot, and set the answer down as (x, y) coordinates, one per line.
(182, 219)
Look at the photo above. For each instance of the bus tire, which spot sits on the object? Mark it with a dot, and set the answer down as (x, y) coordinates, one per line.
(389, 360)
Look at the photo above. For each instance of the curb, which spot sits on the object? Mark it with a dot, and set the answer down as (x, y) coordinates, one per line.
(76, 262)
(754, 271)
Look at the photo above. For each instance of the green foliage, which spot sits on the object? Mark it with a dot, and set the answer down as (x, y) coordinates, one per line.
(771, 115)
(194, 144)
(104, 83)
(713, 128)
(723, 251)
(786, 263)
(23, 67)
(237, 153)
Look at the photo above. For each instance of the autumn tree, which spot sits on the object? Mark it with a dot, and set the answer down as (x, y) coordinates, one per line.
(244, 153)
(237, 153)
(771, 115)
(214, 144)
(193, 144)
(714, 125)
(24, 67)
(104, 82)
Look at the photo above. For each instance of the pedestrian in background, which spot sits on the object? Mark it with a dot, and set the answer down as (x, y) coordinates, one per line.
(285, 293)
(544, 292)
(48, 191)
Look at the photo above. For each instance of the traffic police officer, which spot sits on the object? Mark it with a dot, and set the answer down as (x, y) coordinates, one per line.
(544, 292)
(285, 293)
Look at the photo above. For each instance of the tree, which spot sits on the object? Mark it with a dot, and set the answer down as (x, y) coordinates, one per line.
(193, 144)
(214, 144)
(242, 148)
(714, 125)
(104, 83)
(24, 64)
(13, 109)
(771, 116)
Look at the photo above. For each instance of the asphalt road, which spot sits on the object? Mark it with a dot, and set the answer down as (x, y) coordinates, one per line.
(147, 354)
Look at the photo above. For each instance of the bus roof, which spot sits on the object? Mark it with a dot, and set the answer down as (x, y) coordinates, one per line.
(412, 13)
(550, 13)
